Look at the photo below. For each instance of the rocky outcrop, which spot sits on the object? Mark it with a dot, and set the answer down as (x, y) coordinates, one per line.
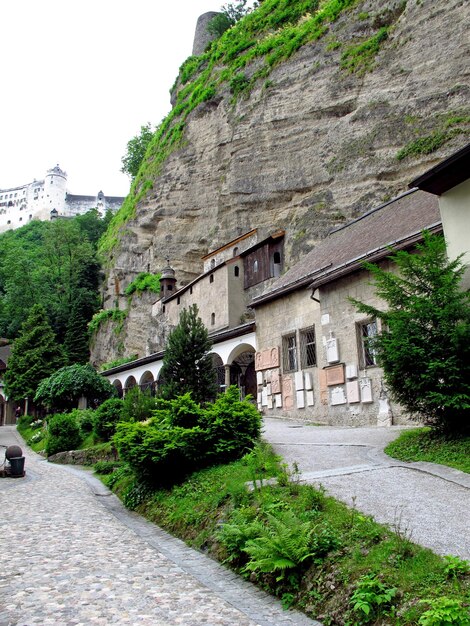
(311, 147)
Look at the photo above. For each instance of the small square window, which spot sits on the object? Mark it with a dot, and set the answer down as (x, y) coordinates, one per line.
(289, 353)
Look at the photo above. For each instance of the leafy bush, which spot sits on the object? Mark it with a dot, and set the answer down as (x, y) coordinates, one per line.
(160, 455)
(232, 425)
(106, 417)
(372, 599)
(106, 467)
(84, 419)
(115, 315)
(144, 282)
(63, 433)
(138, 405)
(180, 411)
(183, 437)
(445, 612)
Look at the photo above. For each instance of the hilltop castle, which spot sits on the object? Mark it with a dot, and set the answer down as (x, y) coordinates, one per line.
(48, 198)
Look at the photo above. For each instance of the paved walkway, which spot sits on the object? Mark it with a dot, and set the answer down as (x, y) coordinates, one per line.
(71, 555)
(429, 503)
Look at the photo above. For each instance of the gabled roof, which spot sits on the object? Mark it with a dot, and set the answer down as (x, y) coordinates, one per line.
(446, 174)
(397, 224)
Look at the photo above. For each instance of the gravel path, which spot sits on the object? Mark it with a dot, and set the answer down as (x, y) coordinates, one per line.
(71, 555)
(429, 503)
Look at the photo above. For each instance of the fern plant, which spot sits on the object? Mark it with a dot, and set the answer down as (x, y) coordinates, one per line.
(285, 544)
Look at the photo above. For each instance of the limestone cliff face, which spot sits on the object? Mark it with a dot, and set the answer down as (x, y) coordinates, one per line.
(311, 147)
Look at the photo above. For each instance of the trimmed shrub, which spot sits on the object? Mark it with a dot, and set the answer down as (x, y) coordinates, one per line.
(232, 425)
(182, 437)
(63, 433)
(138, 405)
(106, 417)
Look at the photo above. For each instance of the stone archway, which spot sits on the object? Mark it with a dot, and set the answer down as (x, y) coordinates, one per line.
(147, 382)
(118, 386)
(129, 384)
(219, 372)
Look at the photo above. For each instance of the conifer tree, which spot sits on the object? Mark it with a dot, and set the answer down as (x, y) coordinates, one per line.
(187, 364)
(35, 355)
(424, 347)
(76, 341)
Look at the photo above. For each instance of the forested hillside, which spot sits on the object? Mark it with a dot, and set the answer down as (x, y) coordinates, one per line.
(53, 264)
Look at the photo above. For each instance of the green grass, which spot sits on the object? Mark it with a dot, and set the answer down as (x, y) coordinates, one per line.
(215, 512)
(422, 444)
(446, 127)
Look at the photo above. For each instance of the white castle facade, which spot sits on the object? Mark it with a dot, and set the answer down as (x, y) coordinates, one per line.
(48, 198)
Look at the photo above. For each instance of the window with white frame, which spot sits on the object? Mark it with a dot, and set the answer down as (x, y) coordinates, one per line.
(289, 353)
(308, 353)
(366, 333)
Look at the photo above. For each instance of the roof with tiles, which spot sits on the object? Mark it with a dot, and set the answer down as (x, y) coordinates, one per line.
(396, 224)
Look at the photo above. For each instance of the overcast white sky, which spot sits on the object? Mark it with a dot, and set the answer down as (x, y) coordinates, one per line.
(79, 78)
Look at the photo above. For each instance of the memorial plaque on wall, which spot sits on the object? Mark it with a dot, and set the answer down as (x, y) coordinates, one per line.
(276, 382)
(334, 375)
(287, 392)
(267, 359)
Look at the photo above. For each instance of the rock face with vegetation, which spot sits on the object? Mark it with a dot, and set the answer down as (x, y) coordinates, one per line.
(300, 117)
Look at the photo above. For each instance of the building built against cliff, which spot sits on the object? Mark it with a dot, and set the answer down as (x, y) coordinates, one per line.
(305, 353)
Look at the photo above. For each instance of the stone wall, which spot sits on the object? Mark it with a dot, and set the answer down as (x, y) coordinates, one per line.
(340, 389)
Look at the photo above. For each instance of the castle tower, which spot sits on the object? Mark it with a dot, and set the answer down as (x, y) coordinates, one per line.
(167, 281)
(202, 37)
(55, 187)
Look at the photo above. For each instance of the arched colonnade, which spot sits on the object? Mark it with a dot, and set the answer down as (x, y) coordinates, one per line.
(233, 361)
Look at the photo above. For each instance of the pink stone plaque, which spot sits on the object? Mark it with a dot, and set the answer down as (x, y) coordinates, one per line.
(267, 359)
(335, 375)
(275, 382)
(287, 392)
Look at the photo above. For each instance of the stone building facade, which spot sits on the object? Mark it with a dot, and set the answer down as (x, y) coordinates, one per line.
(315, 360)
(305, 352)
(36, 200)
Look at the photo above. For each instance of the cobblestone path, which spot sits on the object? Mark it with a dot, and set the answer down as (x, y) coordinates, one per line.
(71, 555)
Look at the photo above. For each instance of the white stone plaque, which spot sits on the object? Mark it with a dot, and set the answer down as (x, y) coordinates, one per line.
(325, 319)
(268, 389)
(299, 380)
(264, 397)
(308, 381)
(300, 399)
(366, 389)
(332, 351)
(310, 398)
(352, 391)
(259, 378)
(278, 400)
(270, 402)
(351, 370)
(337, 396)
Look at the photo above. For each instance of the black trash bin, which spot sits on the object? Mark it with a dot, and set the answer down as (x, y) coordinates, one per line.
(17, 466)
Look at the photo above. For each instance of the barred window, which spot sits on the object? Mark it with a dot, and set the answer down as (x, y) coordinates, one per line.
(289, 353)
(308, 356)
(366, 332)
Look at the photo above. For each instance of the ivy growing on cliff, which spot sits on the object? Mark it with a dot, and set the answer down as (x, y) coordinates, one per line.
(270, 34)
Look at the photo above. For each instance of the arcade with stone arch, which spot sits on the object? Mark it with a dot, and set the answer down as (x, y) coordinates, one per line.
(233, 361)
